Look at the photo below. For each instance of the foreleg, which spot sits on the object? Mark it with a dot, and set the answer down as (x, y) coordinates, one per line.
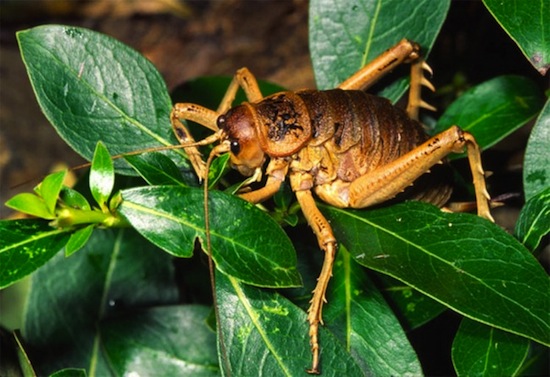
(208, 118)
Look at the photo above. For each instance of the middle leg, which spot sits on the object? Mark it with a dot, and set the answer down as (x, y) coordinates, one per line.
(327, 242)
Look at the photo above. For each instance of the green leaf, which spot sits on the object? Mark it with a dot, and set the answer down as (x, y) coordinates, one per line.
(168, 341)
(536, 164)
(78, 240)
(414, 308)
(25, 246)
(50, 188)
(69, 372)
(246, 242)
(258, 324)
(494, 109)
(217, 169)
(74, 199)
(345, 35)
(92, 87)
(69, 297)
(481, 350)
(24, 361)
(366, 324)
(527, 24)
(102, 175)
(460, 260)
(534, 220)
(31, 205)
(156, 169)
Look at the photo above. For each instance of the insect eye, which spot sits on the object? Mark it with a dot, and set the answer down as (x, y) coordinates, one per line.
(221, 121)
(235, 147)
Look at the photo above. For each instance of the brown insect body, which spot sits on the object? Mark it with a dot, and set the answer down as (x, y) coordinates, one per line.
(335, 136)
(351, 148)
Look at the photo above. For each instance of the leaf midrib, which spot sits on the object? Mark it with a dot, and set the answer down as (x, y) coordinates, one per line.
(444, 261)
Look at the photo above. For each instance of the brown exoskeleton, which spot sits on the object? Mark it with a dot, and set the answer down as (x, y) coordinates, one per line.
(350, 148)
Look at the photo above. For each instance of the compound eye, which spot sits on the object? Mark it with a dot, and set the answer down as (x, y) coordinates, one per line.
(221, 122)
(235, 147)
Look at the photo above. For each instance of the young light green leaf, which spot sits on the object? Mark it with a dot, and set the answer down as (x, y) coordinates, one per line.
(259, 324)
(536, 164)
(345, 35)
(460, 260)
(92, 87)
(50, 188)
(481, 350)
(102, 175)
(167, 341)
(534, 220)
(246, 242)
(25, 246)
(78, 240)
(527, 24)
(494, 109)
(156, 169)
(69, 297)
(367, 324)
(31, 205)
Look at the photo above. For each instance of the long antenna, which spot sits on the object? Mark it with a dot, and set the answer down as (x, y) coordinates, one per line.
(219, 149)
(208, 140)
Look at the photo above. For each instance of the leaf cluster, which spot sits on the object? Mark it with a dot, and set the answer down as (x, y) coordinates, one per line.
(127, 301)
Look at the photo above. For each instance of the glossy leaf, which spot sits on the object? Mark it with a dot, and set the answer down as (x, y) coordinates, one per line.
(264, 334)
(168, 341)
(344, 35)
(414, 308)
(365, 322)
(246, 242)
(50, 188)
(102, 175)
(494, 109)
(26, 245)
(534, 220)
(460, 260)
(78, 239)
(218, 168)
(156, 169)
(481, 350)
(74, 199)
(69, 297)
(94, 88)
(536, 164)
(527, 24)
(30, 204)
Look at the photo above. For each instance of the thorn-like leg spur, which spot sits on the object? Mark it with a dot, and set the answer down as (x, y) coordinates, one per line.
(327, 242)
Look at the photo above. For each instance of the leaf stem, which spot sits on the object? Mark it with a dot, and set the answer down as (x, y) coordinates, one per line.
(68, 217)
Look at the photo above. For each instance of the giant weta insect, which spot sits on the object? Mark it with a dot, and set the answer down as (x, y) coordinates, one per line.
(354, 150)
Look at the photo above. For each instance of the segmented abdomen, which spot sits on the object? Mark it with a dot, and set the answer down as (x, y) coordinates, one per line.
(363, 132)
(367, 128)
